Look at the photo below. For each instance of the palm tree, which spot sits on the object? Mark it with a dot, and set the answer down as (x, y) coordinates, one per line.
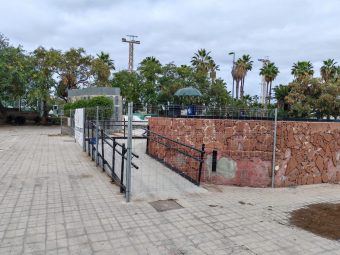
(150, 67)
(269, 71)
(105, 57)
(212, 69)
(280, 93)
(201, 61)
(242, 66)
(302, 70)
(328, 70)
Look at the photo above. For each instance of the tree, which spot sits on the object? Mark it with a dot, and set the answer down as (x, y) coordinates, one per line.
(42, 82)
(280, 93)
(218, 94)
(150, 69)
(213, 68)
(242, 66)
(270, 72)
(172, 79)
(3, 42)
(74, 71)
(328, 70)
(129, 84)
(302, 70)
(105, 57)
(201, 61)
(302, 97)
(328, 103)
(15, 70)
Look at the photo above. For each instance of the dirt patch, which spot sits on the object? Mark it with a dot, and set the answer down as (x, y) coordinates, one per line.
(321, 219)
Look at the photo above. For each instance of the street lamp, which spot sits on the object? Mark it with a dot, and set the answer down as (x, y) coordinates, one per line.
(233, 53)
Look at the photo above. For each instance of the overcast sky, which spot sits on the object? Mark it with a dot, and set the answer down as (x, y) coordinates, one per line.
(173, 30)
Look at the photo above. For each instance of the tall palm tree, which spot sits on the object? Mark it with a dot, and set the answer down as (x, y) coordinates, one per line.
(201, 61)
(213, 67)
(328, 70)
(105, 57)
(150, 67)
(302, 70)
(242, 66)
(269, 71)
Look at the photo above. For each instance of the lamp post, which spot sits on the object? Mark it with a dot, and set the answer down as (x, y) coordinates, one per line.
(232, 70)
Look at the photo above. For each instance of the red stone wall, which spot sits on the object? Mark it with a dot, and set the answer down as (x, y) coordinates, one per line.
(244, 148)
(306, 152)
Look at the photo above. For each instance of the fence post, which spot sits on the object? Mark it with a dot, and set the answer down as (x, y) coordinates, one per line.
(274, 149)
(103, 156)
(97, 134)
(122, 168)
(129, 156)
(113, 158)
(88, 136)
(201, 164)
(124, 126)
(84, 131)
(92, 145)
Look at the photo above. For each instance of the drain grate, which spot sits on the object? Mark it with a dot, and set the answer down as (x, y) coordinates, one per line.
(165, 205)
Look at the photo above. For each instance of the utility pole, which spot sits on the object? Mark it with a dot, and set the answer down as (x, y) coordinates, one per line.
(263, 82)
(131, 41)
(232, 70)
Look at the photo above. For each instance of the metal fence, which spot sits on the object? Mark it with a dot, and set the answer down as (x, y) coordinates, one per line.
(165, 149)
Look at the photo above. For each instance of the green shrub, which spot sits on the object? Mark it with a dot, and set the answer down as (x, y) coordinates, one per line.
(105, 107)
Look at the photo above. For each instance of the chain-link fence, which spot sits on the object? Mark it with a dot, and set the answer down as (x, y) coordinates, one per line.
(174, 154)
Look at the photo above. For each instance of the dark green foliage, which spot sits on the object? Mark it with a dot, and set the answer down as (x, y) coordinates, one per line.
(105, 104)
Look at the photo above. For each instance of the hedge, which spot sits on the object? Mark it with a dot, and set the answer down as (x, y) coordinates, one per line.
(105, 106)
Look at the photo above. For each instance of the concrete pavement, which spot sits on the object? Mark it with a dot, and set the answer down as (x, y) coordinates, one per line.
(53, 200)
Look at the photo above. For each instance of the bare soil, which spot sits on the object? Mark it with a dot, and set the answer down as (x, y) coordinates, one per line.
(321, 219)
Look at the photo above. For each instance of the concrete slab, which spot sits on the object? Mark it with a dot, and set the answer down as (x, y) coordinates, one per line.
(53, 200)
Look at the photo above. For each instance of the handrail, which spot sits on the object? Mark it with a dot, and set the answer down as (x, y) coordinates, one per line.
(172, 140)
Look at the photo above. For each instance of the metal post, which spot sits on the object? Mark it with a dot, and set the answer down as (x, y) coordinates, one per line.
(103, 157)
(97, 142)
(84, 131)
(88, 136)
(122, 168)
(113, 158)
(201, 164)
(124, 126)
(129, 156)
(92, 144)
(274, 149)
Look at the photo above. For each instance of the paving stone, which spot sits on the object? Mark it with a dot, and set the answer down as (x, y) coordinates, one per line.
(53, 200)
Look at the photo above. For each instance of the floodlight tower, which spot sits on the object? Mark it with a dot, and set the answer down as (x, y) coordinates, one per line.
(131, 41)
(263, 81)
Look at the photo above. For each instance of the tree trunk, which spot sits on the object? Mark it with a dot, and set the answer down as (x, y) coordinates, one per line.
(270, 91)
(242, 89)
(45, 113)
(267, 93)
(237, 87)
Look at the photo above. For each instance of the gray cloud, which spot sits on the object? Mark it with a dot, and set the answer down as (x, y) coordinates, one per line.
(172, 30)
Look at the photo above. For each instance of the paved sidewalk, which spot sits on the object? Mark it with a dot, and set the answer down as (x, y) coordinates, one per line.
(53, 200)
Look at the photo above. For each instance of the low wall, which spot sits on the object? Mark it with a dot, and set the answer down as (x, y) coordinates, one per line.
(305, 153)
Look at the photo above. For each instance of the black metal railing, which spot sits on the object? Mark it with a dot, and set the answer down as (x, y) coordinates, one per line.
(121, 125)
(108, 145)
(178, 147)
